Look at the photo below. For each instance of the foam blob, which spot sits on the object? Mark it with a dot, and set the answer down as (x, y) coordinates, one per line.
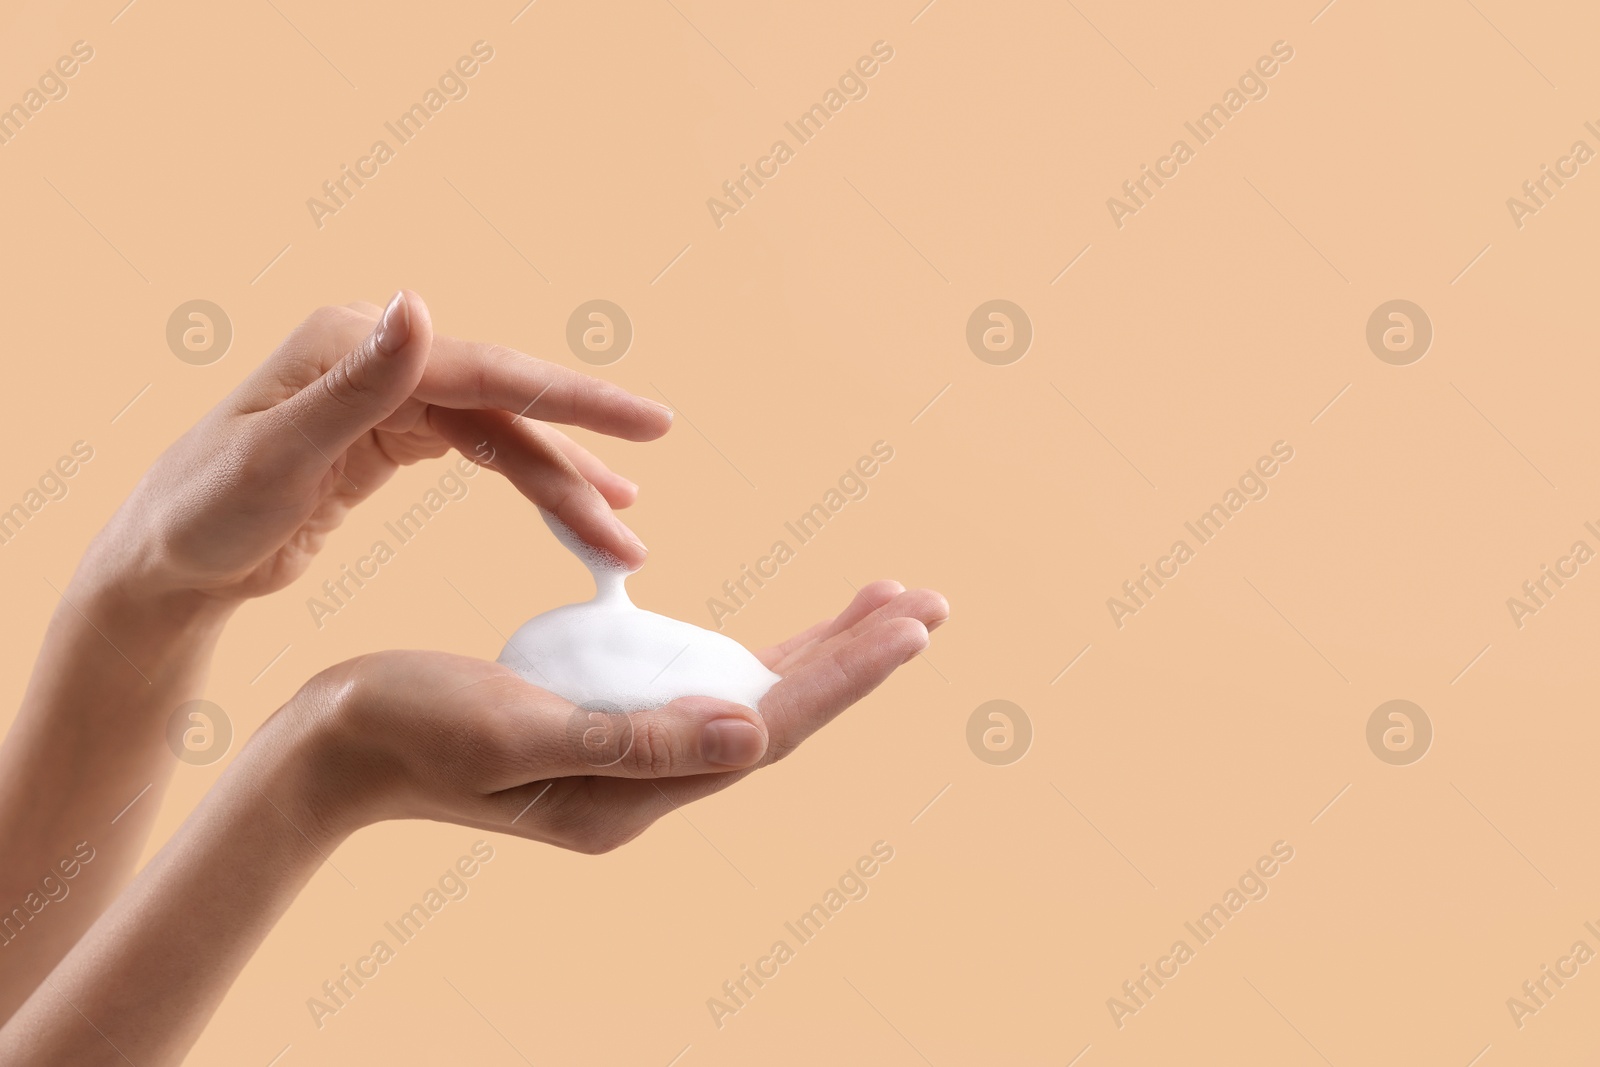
(609, 652)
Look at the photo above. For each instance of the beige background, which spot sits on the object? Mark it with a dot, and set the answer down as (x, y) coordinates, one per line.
(1223, 317)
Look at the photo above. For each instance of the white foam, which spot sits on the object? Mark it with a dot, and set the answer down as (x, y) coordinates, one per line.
(608, 651)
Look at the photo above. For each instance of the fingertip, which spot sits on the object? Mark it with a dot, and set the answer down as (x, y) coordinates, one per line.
(627, 415)
(394, 326)
(660, 418)
(911, 635)
(630, 549)
(403, 326)
(610, 536)
(619, 492)
(882, 591)
(417, 310)
(639, 417)
(925, 605)
(869, 599)
(588, 513)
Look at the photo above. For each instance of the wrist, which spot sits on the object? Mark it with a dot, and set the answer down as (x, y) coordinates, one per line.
(133, 558)
(164, 626)
(304, 759)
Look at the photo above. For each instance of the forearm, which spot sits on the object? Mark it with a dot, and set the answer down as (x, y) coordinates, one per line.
(142, 983)
(89, 738)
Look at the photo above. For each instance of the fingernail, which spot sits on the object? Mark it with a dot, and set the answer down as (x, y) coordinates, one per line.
(395, 326)
(629, 536)
(731, 743)
(659, 407)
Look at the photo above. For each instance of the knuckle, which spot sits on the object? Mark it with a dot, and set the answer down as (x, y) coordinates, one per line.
(337, 314)
(502, 355)
(574, 497)
(492, 366)
(656, 752)
(250, 456)
(329, 316)
(319, 317)
(344, 381)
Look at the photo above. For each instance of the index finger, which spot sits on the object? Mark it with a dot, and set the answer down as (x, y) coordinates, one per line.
(471, 374)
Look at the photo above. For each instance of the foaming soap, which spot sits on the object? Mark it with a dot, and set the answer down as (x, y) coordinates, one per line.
(608, 651)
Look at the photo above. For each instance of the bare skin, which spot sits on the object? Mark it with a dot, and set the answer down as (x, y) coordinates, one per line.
(418, 735)
(238, 508)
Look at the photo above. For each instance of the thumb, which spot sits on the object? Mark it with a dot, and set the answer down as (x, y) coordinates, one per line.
(366, 386)
(693, 735)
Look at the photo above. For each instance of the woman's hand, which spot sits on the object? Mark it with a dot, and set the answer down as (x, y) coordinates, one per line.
(420, 735)
(240, 504)
(436, 736)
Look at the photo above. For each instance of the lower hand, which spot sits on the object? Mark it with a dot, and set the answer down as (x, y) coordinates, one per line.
(420, 735)
(430, 735)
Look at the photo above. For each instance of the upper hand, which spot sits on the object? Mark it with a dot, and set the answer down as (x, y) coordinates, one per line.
(240, 504)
